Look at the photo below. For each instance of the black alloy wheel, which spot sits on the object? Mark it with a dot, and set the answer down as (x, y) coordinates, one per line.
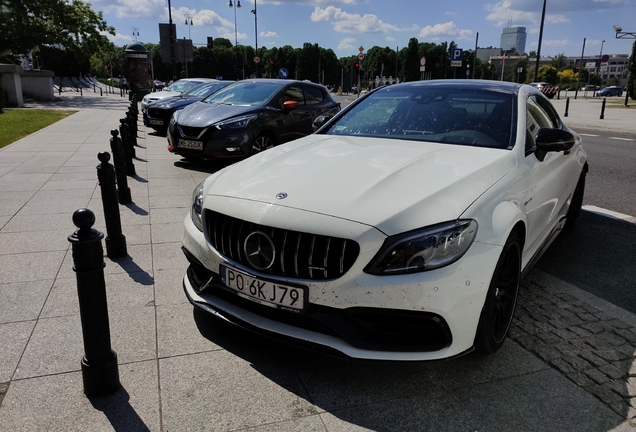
(262, 143)
(501, 299)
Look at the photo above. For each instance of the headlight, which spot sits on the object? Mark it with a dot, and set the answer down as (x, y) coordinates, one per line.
(197, 206)
(423, 249)
(236, 122)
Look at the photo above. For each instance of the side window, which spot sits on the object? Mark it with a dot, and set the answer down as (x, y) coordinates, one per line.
(314, 95)
(293, 93)
(536, 118)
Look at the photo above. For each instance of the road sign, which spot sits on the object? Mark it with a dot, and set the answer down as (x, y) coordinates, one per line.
(456, 57)
(423, 61)
(605, 58)
(361, 56)
(257, 59)
(283, 73)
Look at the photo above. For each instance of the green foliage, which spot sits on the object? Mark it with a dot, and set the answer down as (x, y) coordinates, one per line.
(548, 74)
(29, 25)
(631, 66)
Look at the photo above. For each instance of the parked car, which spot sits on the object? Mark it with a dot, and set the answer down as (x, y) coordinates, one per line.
(590, 87)
(158, 85)
(399, 230)
(610, 91)
(158, 113)
(174, 89)
(247, 117)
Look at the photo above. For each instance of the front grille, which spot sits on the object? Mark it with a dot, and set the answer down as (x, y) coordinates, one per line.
(191, 132)
(158, 113)
(297, 254)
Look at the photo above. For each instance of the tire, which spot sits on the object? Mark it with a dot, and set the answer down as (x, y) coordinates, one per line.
(572, 216)
(499, 307)
(262, 143)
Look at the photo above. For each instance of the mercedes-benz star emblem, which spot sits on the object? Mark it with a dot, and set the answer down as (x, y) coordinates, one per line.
(259, 250)
(281, 195)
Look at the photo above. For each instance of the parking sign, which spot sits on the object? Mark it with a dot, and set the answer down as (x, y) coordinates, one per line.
(456, 57)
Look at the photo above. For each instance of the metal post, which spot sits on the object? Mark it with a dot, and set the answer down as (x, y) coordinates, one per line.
(116, 146)
(115, 240)
(100, 373)
(124, 131)
(603, 109)
(567, 107)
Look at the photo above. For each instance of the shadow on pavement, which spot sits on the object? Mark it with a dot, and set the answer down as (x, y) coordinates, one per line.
(120, 414)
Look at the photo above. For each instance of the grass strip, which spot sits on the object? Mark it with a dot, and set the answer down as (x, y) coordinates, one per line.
(18, 123)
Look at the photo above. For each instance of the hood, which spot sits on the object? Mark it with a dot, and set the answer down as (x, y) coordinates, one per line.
(161, 95)
(393, 185)
(201, 114)
(175, 102)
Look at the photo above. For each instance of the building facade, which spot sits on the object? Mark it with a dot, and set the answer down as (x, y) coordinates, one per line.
(514, 38)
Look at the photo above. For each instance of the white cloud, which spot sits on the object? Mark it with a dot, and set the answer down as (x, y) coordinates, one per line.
(521, 12)
(347, 44)
(269, 34)
(345, 22)
(555, 43)
(444, 29)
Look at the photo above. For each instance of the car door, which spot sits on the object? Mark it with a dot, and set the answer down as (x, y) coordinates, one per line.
(294, 123)
(546, 199)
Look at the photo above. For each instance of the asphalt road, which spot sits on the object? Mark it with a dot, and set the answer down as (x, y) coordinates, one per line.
(599, 255)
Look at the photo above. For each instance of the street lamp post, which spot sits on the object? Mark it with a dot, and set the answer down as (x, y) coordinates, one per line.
(235, 6)
(600, 60)
(620, 34)
(255, 36)
(189, 23)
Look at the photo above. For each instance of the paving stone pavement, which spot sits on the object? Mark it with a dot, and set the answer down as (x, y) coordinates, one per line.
(593, 348)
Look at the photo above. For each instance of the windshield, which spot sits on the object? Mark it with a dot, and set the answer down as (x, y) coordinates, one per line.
(244, 93)
(441, 114)
(181, 86)
(206, 89)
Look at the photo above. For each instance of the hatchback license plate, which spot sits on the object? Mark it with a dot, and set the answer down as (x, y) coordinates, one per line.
(264, 292)
(189, 144)
(156, 122)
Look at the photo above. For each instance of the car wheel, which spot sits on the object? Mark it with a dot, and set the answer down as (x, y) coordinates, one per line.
(574, 211)
(262, 143)
(501, 299)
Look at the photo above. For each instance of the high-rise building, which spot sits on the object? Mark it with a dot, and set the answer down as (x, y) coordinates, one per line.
(514, 38)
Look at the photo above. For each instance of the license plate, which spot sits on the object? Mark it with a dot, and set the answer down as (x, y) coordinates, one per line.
(190, 144)
(264, 292)
(156, 122)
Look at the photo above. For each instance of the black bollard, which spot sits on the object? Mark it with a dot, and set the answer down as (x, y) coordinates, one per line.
(124, 131)
(116, 147)
(115, 240)
(100, 373)
(567, 107)
(603, 109)
(81, 94)
(132, 129)
(100, 92)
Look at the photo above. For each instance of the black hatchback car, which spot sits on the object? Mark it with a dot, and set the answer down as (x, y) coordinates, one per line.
(247, 117)
(157, 114)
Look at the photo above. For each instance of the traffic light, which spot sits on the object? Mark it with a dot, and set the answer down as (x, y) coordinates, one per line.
(271, 63)
(108, 66)
(356, 67)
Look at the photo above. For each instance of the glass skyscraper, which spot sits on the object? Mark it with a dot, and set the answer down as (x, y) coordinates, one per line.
(514, 37)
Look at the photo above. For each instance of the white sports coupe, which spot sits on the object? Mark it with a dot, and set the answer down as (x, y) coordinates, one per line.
(399, 230)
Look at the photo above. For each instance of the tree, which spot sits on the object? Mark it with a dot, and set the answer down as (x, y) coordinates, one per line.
(567, 78)
(29, 25)
(560, 62)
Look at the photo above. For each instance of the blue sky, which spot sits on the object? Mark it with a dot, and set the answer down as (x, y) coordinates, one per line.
(346, 25)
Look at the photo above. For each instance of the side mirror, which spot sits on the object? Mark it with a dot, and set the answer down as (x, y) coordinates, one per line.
(290, 105)
(320, 122)
(553, 140)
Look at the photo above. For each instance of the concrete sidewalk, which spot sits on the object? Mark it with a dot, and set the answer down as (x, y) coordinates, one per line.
(568, 365)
